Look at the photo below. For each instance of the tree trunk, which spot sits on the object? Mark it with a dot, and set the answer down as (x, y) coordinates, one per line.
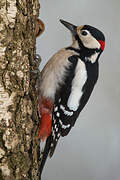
(19, 146)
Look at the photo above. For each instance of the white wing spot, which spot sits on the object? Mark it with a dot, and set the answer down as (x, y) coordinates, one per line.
(68, 113)
(56, 108)
(62, 107)
(64, 126)
(60, 122)
(55, 126)
(58, 114)
(59, 100)
(51, 144)
(58, 135)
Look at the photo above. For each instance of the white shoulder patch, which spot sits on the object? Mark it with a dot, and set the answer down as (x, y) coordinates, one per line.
(77, 85)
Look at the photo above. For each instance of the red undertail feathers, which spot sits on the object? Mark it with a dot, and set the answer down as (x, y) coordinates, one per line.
(46, 107)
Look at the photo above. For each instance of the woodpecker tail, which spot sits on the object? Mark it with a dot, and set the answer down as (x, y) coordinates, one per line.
(44, 155)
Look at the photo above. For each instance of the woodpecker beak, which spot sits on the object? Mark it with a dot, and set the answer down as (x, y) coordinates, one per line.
(70, 26)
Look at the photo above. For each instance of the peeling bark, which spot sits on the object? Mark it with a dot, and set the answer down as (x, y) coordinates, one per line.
(19, 146)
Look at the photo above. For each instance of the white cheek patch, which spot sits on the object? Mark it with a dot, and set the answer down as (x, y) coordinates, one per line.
(90, 42)
(77, 85)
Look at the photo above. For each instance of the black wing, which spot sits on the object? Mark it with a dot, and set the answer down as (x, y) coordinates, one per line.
(63, 119)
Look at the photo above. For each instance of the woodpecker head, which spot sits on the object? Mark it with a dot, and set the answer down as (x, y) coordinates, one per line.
(86, 36)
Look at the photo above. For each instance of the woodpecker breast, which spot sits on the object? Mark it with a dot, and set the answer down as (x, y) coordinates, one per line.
(54, 73)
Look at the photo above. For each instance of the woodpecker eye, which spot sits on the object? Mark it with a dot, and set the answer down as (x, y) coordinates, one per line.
(84, 33)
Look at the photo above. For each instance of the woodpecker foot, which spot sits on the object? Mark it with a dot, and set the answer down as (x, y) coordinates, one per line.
(38, 60)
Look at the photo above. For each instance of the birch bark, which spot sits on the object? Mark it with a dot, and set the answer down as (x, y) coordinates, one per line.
(19, 146)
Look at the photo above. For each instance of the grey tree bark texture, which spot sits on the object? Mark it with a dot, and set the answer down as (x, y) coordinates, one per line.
(19, 121)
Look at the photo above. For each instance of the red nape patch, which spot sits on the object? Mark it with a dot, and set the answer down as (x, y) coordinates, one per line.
(102, 43)
(45, 126)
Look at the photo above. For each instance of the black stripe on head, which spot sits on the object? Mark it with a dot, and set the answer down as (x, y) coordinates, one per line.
(79, 41)
(97, 34)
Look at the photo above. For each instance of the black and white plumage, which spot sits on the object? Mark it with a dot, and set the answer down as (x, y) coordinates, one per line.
(68, 80)
(72, 96)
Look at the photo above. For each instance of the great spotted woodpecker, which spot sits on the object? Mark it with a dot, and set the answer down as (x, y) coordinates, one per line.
(67, 82)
